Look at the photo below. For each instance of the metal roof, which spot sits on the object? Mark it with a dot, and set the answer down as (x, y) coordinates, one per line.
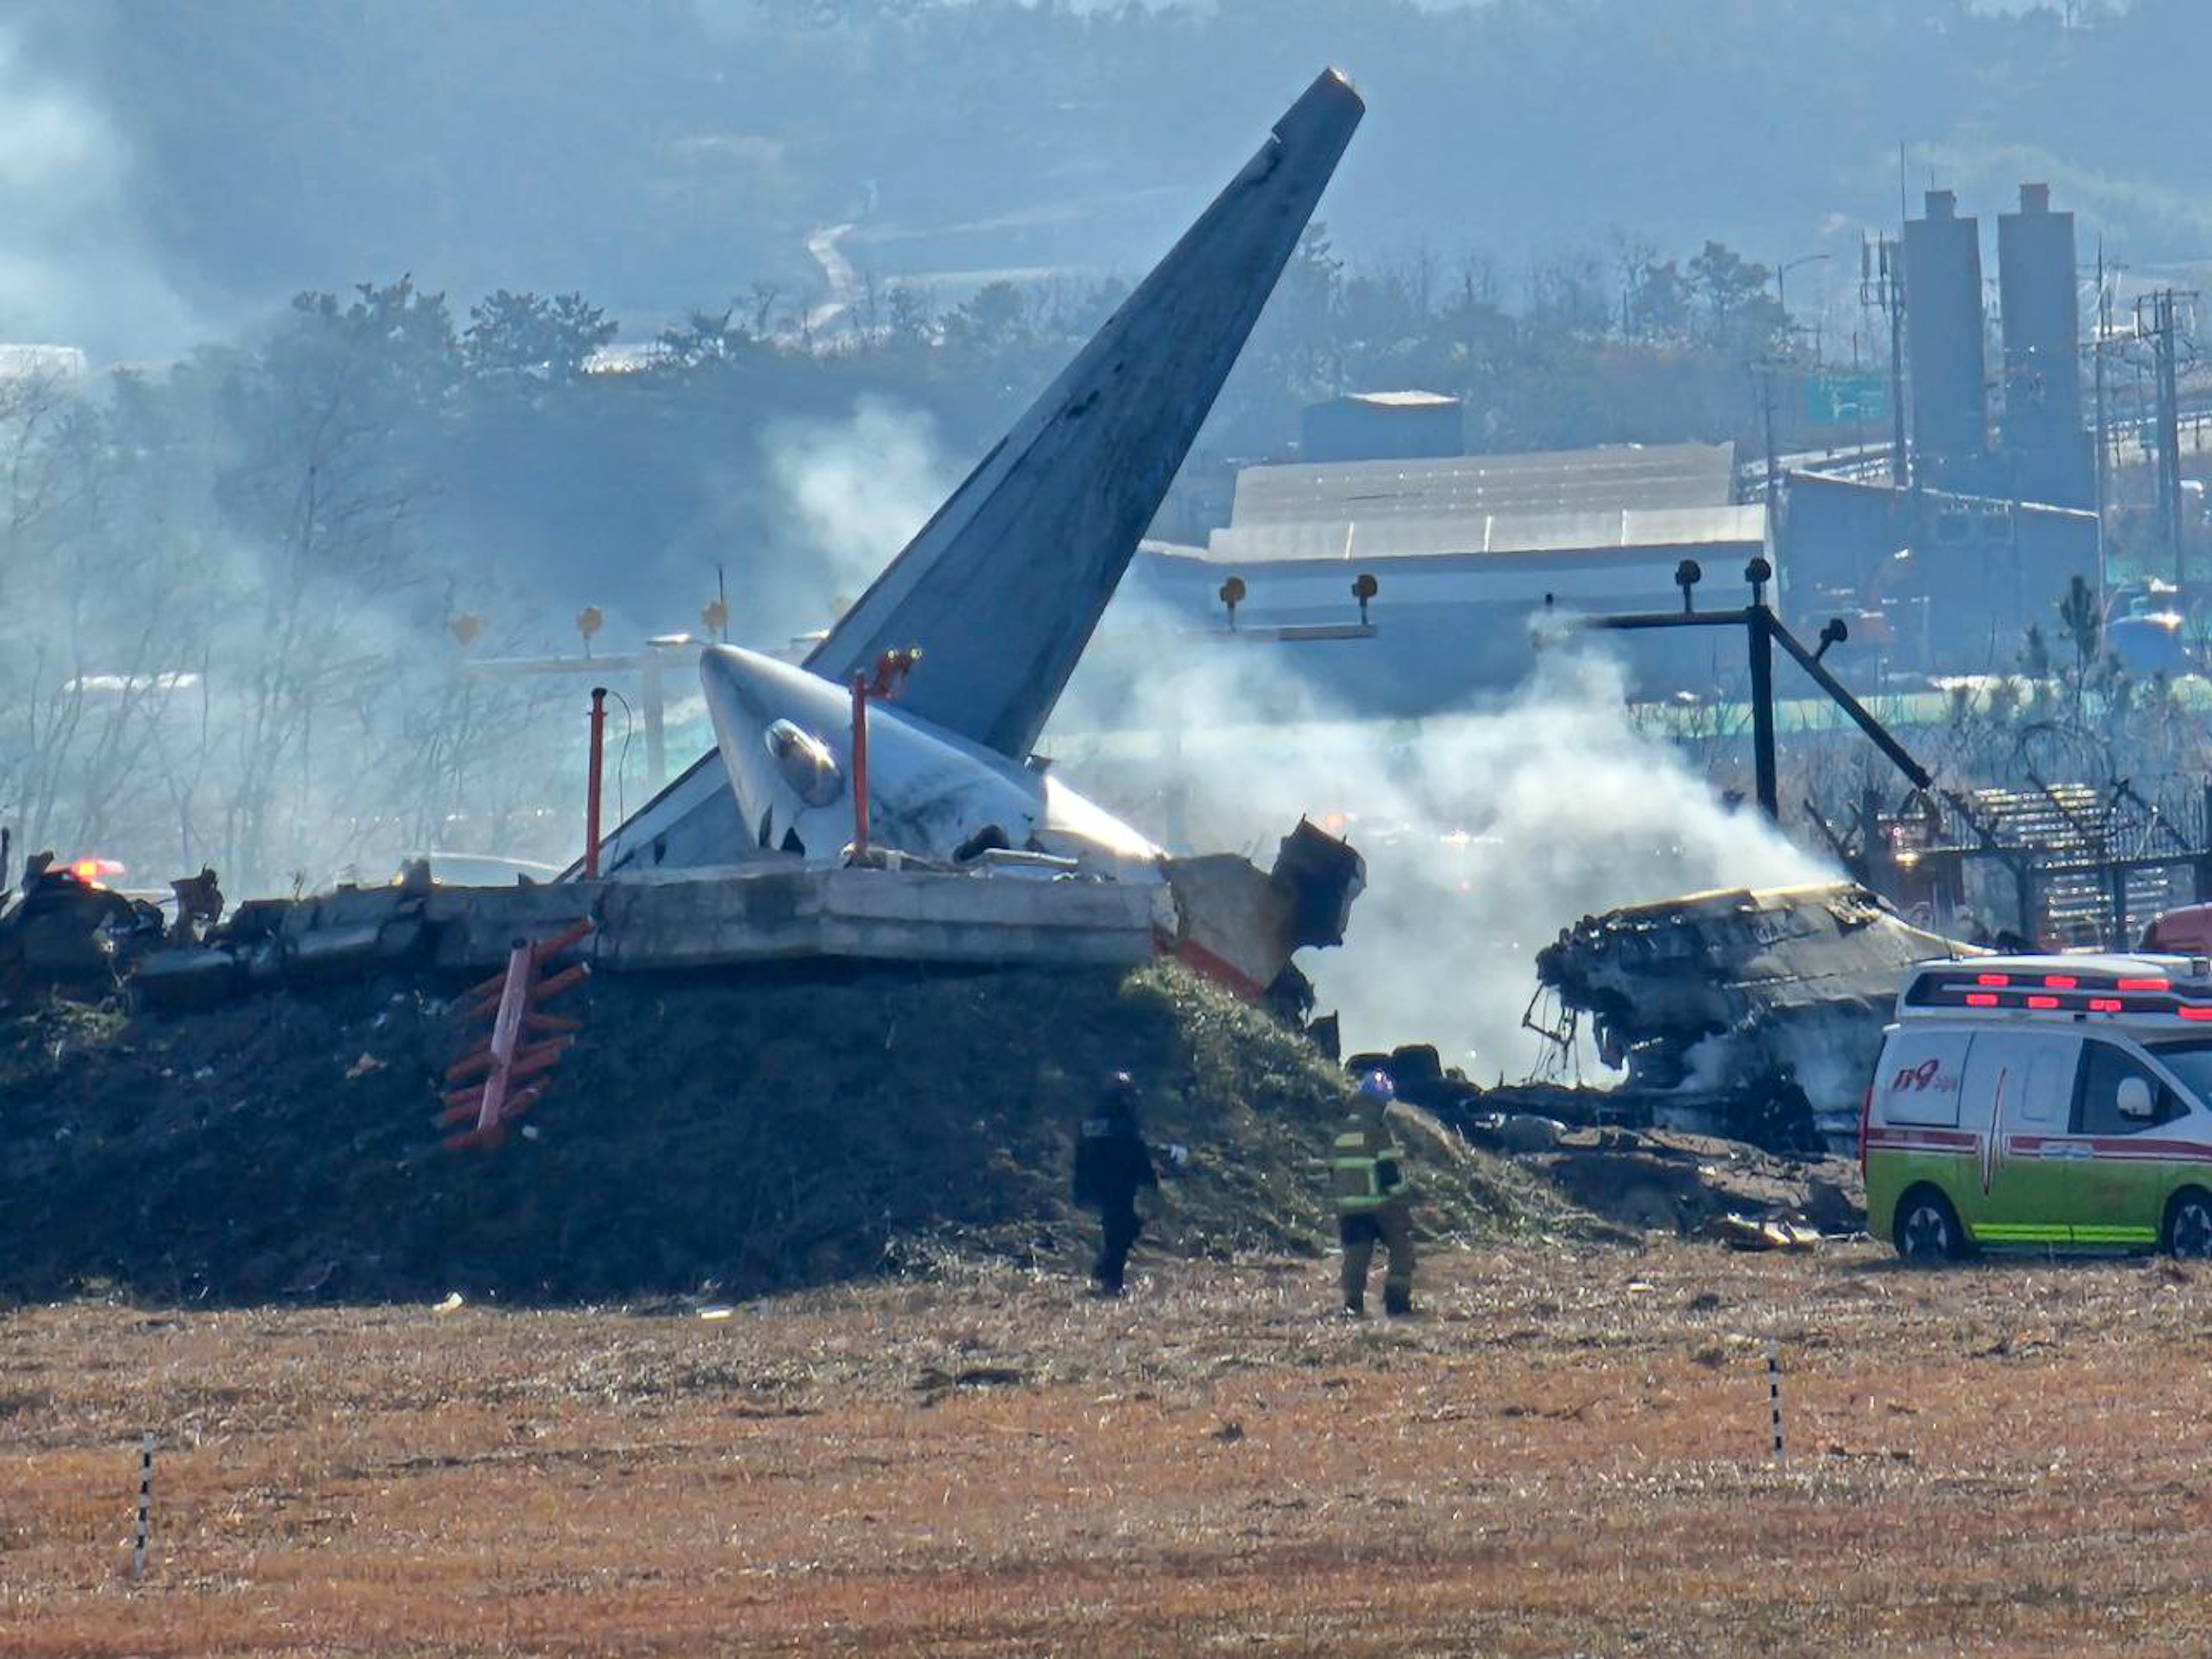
(1570, 481)
(1398, 399)
(1432, 535)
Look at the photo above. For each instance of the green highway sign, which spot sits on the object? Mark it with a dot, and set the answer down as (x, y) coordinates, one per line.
(1846, 400)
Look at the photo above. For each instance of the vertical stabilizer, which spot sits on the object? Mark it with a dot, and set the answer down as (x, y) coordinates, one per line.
(1002, 588)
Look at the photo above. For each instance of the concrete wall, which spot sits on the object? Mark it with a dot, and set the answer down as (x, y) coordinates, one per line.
(698, 918)
(706, 918)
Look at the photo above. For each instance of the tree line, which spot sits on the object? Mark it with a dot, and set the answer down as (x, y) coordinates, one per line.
(242, 593)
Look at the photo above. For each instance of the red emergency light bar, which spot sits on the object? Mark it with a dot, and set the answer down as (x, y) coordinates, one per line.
(2089, 993)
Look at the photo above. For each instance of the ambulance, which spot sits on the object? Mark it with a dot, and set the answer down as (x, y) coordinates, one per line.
(2044, 1103)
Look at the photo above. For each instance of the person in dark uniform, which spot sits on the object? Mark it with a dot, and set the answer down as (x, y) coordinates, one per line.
(1111, 1165)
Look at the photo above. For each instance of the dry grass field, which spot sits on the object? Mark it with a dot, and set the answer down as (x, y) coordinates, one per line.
(1567, 1454)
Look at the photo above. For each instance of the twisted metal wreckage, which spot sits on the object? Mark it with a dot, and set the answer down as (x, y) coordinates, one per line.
(1757, 1014)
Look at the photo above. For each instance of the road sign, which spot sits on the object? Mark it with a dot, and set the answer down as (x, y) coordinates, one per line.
(1846, 400)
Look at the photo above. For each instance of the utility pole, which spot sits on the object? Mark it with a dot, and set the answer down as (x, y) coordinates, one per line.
(2164, 306)
(2139, 422)
(1781, 292)
(2104, 436)
(1786, 346)
(1859, 404)
(1881, 283)
(1766, 421)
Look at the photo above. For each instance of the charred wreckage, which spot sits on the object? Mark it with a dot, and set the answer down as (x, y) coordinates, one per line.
(1753, 1014)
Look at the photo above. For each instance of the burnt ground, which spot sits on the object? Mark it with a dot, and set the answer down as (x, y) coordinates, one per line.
(724, 1135)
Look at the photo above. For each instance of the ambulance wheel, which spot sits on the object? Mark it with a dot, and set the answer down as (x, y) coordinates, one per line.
(1928, 1232)
(2189, 1225)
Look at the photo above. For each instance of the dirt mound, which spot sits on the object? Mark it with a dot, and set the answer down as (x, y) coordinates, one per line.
(743, 1132)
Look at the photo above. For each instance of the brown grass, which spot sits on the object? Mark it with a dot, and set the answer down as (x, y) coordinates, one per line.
(1568, 1454)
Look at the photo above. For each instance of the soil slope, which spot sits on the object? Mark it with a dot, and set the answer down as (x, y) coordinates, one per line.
(725, 1135)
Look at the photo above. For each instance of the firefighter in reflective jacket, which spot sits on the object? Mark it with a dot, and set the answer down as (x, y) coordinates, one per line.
(1374, 1201)
(1111, 1163)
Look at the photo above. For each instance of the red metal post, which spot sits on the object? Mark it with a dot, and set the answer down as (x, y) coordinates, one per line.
(592, 789)
(860, 766)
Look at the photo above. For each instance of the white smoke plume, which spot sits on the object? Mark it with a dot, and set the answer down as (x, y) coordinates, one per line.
(1485, 832)
(852, 493)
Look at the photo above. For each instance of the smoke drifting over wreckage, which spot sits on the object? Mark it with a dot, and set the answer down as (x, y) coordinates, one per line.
(1487, 829)
(225, 639)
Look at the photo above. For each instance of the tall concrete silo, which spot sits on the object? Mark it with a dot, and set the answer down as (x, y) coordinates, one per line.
(2048, 452)
(1943, 333)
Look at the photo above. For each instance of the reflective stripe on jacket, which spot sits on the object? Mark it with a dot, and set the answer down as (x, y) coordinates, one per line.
(1364, 1171)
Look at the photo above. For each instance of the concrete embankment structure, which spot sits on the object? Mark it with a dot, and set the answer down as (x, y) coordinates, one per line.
(694, 919)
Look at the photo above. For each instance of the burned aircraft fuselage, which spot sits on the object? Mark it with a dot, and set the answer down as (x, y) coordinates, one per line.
(1722, 1002)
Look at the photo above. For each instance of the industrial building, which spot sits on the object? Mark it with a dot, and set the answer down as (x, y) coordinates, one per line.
(1380, 426)
(1947, 571)
(1466, 553)
(1930, 578)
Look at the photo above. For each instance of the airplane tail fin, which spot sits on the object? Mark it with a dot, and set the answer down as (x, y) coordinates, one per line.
(1003, 587)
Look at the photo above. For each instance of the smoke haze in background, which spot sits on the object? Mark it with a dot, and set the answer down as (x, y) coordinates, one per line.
(1485, 832)
(76, 269)
(252, 659)
(666, 156)
(850, 494)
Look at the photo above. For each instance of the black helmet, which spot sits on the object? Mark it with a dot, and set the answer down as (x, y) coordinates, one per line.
(1121, 1091)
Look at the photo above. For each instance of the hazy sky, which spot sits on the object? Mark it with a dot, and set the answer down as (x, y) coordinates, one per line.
(167, 172)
